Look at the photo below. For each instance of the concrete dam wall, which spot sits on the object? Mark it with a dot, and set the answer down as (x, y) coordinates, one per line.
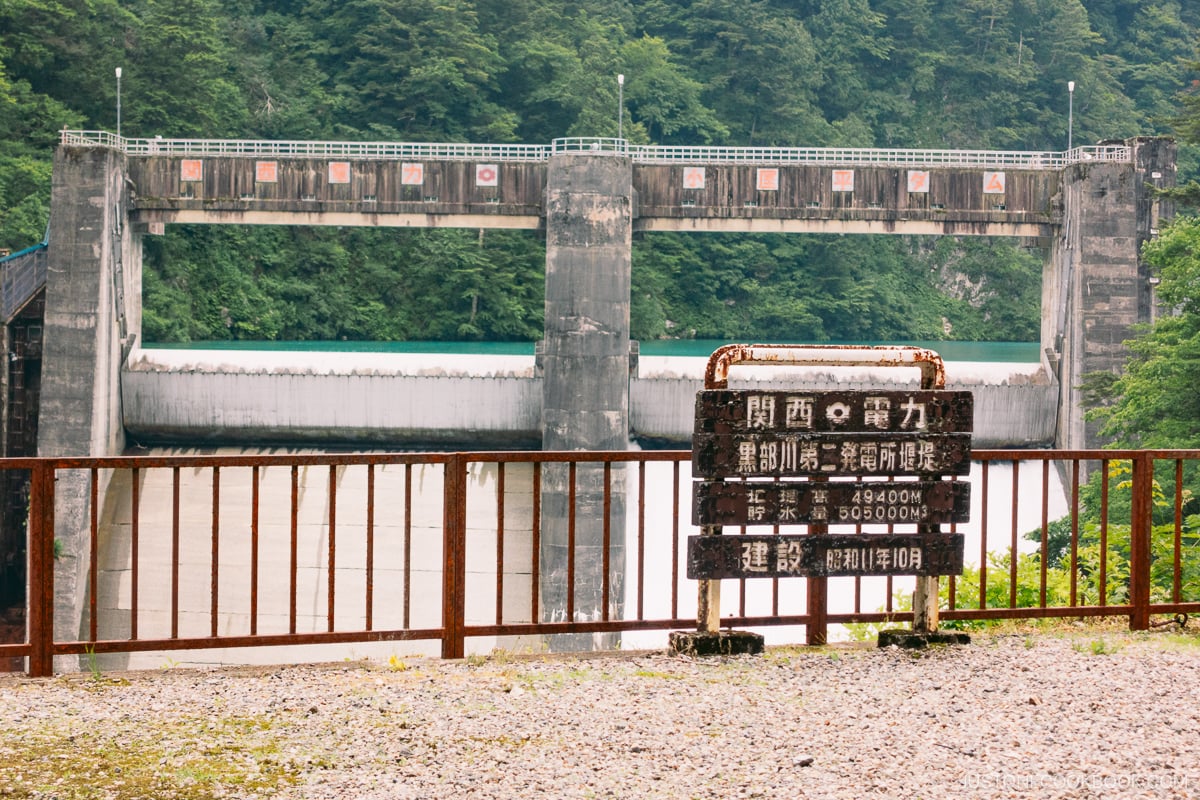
(484, 401)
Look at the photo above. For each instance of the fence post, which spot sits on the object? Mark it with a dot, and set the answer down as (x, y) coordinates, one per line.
(454, 554)
(1139, 541)
(41, 570)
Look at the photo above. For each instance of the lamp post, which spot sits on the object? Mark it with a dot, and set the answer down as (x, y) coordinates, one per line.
(1070, 114)
(621, 106)
(118, 102)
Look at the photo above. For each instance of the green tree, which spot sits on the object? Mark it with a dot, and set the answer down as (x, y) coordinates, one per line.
(663, 99)
(284, 86)
(28, 122)
(760, 70)
(67, 51)
(903, 73)
(412, 69)
(178, 75)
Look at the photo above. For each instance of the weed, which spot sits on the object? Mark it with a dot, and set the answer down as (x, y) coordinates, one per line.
(93, 664)
(1097, 647)
(502, 656)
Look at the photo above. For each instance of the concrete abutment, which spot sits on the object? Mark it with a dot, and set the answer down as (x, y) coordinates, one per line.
(92, 313)
(1095, 287)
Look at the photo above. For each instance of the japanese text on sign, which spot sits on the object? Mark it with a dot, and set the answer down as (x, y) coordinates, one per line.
(774, 455)
(853, 554)
(914, 412)
(856, 503)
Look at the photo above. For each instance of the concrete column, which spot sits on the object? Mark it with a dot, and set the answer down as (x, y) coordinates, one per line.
(93, 296)
(585, 394)
(1095, 288)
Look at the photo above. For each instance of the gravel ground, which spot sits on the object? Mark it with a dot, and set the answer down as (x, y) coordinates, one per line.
(1083, 714)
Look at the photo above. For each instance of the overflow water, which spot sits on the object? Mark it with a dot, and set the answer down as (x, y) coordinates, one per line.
(1015, 509)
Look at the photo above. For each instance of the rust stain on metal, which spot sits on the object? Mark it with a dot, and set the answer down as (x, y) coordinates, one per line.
(933, 369)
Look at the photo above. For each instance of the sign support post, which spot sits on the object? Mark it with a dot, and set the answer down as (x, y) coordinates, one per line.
(708, 606)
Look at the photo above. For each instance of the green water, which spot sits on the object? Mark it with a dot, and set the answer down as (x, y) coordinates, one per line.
(1002, 352)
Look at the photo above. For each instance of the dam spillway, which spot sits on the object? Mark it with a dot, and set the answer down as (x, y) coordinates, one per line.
(492, 401)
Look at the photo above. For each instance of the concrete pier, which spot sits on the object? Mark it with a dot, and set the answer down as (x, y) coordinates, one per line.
(585, 380)
(95, 267)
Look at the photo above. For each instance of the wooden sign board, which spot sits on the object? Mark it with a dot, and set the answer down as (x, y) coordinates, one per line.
(772, 454)
(841, 502)
(717, 557)
(725, 411)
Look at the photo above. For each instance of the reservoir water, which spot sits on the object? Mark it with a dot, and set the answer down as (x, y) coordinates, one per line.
(995, 352)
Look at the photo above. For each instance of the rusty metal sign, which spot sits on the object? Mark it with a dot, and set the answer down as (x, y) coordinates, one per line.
(847, 503)
(782, 455)
(716, 557)
(805, 441)
(726, 411)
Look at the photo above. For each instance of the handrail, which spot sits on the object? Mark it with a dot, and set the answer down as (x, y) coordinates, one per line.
(153, 483)
(640, 154)
(22, 274)
(593, 145)
(1043, 160)
(306, 149)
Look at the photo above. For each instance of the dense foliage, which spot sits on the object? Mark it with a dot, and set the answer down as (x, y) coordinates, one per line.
(904, 73)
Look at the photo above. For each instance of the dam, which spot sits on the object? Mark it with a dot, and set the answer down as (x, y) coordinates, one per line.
(74, 318)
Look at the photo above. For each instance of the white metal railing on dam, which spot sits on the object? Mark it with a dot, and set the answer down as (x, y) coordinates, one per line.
(640, 154)
(260, 148)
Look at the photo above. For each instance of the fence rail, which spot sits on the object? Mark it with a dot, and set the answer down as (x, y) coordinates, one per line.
(186, 553)
(640, 154)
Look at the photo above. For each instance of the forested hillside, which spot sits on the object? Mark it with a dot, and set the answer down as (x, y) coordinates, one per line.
(889, 73)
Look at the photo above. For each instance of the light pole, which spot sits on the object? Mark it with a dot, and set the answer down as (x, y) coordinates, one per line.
(621, 106)
(118, 102)
(1070, 114)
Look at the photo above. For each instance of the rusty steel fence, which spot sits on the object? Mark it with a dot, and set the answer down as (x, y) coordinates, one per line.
(187, 553)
